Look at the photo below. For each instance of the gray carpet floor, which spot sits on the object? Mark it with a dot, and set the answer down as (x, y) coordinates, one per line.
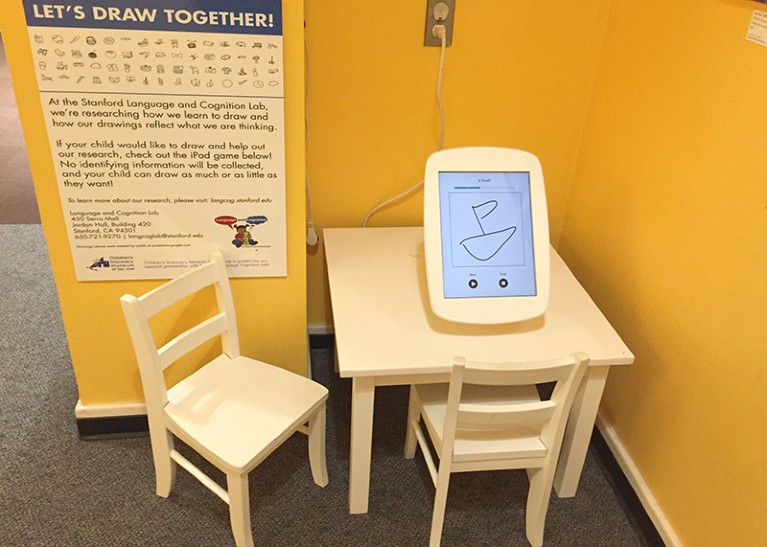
(57, 490)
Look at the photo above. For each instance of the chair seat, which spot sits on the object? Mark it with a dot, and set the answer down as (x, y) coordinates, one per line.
(521, 444)
(236, 411)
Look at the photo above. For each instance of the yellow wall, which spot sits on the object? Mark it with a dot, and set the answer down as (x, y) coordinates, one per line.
(660, 204)
(518, 74)
(271, 312)
(667, 229)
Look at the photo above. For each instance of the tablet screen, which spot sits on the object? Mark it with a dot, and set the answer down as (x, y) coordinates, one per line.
(486, 234)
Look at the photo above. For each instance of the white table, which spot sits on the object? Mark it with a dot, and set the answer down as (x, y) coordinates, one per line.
(387, 335)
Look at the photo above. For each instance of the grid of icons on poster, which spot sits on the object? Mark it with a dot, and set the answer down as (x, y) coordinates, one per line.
(69, 59)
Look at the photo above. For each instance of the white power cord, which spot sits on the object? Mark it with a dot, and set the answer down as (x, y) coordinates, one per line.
(311, 234)
(441, 32)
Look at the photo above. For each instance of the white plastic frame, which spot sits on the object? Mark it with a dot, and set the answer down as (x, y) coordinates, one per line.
(487, 310)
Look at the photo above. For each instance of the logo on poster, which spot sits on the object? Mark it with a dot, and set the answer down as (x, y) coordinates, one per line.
(99, 263)
(242, 226)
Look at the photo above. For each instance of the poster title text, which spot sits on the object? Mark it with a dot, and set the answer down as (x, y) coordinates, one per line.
(150, 15)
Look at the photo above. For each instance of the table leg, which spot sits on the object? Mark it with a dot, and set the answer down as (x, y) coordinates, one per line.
(363, 398)
(578, 432)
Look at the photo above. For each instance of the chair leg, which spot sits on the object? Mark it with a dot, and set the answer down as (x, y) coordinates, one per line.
(164, 467)
(413, 416)
(538, 504)
(440, 503)
(317, 460)
(239, 509)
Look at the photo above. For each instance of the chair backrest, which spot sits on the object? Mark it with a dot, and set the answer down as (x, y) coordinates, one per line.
(152, 360)
(543, 418)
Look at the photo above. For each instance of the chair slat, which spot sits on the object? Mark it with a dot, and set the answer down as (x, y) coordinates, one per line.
(515, 374)
(506, 416)
(424, 444)
(184, 285)
(198, 474)
(190, 339)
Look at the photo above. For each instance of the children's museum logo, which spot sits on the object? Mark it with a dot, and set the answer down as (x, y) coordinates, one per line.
(243, 238)
(100, 263)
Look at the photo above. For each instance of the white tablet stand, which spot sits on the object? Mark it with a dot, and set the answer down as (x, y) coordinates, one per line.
(486, 235)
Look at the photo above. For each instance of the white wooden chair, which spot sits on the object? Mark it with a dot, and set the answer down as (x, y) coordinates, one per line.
(234, 410)
(489, 417)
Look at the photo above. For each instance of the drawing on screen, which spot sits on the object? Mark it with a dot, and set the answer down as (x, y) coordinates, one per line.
(486, 245)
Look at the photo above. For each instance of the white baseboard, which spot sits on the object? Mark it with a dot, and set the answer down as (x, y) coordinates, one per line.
(319, 328)
(634, 477)
(114, 410)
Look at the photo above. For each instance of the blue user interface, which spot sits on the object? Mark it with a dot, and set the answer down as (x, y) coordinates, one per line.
(487, 234)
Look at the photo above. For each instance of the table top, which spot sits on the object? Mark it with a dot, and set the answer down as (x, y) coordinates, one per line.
(384, 324)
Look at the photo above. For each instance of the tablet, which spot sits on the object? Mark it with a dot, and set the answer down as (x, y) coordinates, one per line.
(486, 235)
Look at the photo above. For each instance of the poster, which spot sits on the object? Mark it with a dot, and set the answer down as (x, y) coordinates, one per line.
(757, 30)
(166, 126)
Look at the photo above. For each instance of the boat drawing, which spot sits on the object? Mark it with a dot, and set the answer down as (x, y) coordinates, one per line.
(486, 245)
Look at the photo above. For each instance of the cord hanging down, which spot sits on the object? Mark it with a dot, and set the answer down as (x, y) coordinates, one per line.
(441, 32)
(311, 234)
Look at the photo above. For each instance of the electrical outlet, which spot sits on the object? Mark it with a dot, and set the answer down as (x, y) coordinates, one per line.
(435, 12)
